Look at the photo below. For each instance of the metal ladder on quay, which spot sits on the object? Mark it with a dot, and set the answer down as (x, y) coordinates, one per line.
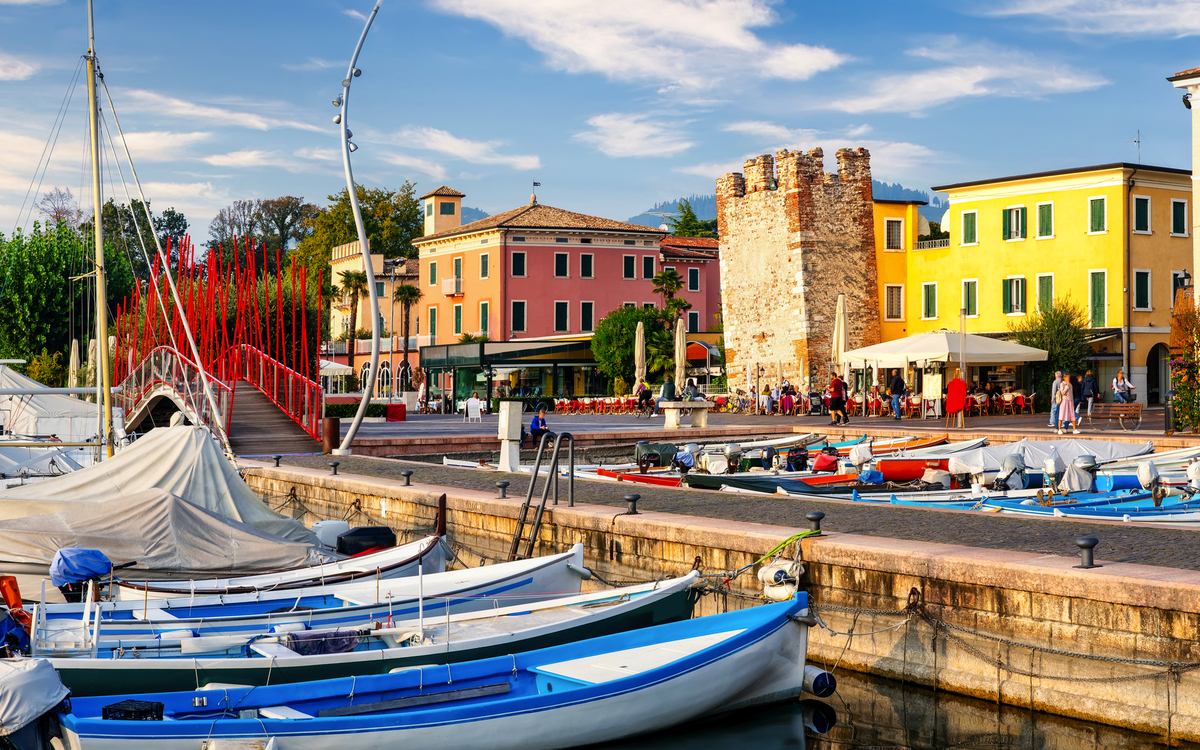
(523, 520)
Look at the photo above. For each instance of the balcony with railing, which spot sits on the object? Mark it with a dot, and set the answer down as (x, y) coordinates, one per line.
(933, 244)
(452, 287)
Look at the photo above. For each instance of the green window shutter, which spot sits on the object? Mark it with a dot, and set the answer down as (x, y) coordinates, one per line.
(1141, 215)
(1004, 223)
(458, 318)
(930, 301)
(1045, 293)
(1097, 215)
(970, 300)
(1141, 289)
(433, 321)
(1045, 220)
(1178, 218)
(483, 316)
(970, 234)
(1098, 301)
(1022, 217)
(1021, 284)
(1006, 305)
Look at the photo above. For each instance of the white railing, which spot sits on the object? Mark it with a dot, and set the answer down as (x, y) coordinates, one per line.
(166, 367)
(933, 244)
(452, 287)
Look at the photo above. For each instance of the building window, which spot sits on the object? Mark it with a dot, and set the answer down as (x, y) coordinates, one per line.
(893, 231)
(1176, 284)
(970, 233)
(893, 302)
(630, 267)
(484, 313)
(649, 305)
(1045, 217)
(970, 297)
(1098, 298)
(560, 239)
(693, 324)
(929, 301)
(628, 304)
(1141, 214)
(518, 263)
(648, 267)
(483, 240)
(483, 266)
(1097, 215)
(379, 289)
(457, 320)
(458, 268)
(433, 322)
(429, 208)
(1141, 289)
(446, 209)
(562, 316)
(1045, 292)
(561, 263)
(693, 280)
(585, 266)
(518, 316)
(518, 239)
(1179, 227)
(1014, 223)
(648, 243)
(433, 274)
(587, 313)
(1013, 296)
(585, 240)
(630, 242)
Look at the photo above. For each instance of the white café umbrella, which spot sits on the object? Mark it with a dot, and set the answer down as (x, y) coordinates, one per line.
(73, 365)
(841, 334)
(945, 346)
(680, 354)
(639, 353)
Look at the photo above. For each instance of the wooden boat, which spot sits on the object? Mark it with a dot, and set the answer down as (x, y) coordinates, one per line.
(62, 628)
(673, 479)
(166, 664)
(395, 562)
(911, 464)
(1179, 517)
(599, 690)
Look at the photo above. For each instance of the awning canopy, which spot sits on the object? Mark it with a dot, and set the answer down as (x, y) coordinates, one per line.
(334, 368)
(943, 346)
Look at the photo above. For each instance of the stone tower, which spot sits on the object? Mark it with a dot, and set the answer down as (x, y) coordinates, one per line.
(792, 239)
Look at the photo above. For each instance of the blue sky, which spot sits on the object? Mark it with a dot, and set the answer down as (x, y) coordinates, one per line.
(611, 105)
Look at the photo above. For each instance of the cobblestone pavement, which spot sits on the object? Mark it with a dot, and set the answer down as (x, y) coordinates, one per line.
(1175, 548)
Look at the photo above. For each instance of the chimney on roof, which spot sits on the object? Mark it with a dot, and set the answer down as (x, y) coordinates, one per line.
(443, 209)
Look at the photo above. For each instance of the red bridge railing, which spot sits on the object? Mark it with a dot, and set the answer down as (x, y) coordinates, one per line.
(295, 393)
(165, 366)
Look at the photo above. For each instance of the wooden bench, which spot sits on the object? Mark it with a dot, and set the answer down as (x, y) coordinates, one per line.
(1119, 412)
(672, 410)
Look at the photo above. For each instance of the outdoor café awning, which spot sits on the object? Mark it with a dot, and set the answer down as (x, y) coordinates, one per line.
(943, 346)
(334, 368)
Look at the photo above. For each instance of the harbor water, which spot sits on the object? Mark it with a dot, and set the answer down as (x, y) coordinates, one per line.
(876, 713)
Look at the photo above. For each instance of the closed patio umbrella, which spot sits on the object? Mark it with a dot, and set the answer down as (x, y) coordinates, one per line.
(680, 353)
(639, 352)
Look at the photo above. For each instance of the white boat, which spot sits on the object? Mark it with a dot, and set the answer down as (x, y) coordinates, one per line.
(598, 690)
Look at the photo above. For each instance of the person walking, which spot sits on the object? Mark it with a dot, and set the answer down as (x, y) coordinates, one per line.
(1091, 390)
(1077, 390)
(1066, 406)
(1121, 388)
(837, 400)
(1054, 399)
(897, 388)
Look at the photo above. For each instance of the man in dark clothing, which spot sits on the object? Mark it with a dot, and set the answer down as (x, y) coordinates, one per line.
(668, 392)
(537, 427)
(897, 389)
(837, 400)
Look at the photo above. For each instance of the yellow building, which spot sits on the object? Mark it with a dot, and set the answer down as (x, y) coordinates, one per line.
(897, 226)
(1112, 238)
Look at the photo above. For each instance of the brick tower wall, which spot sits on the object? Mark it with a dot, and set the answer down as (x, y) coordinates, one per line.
(792, 239)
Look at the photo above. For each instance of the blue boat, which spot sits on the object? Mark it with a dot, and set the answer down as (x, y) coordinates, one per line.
(599, 690)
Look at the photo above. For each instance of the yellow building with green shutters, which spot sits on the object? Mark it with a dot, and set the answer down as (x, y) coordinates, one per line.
(1114, 238)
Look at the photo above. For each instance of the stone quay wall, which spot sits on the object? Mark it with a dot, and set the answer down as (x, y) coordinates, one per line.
(1009, 624)
(792, 239)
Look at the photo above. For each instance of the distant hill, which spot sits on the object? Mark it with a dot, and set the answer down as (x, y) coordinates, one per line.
(705, 206)
(473, 214)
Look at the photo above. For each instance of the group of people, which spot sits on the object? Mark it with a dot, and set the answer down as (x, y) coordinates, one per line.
(666, 392)
(1069, 392)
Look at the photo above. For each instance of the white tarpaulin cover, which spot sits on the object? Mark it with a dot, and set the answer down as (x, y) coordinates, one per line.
(157, 529)
(943, 346)
(28, 689)
(183, 460)
(70, 419)
(1035, 453)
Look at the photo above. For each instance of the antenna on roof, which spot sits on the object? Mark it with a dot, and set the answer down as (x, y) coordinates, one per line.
(1138, 141)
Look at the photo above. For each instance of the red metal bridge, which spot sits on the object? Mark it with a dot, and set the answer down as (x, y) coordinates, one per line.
(250, 325)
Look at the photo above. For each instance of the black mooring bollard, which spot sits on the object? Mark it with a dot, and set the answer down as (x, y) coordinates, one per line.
(333, 467)
(814, 520)
(407, 474)
(631, 501)
(277, 460)
(503, 487)
(1086, 546)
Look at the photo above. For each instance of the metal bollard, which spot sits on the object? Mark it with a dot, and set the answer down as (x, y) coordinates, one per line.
(333, 467)
(503, 486)
(1086, 545)
(407, 474)
(631, 501)
(814, 520)
(277, 460)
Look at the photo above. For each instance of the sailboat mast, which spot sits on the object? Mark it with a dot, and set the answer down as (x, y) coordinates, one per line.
(103, 381)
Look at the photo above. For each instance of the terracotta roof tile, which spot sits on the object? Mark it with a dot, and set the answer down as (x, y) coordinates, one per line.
(446, 191)
(1188, 72)
(702, 242)
(537, 216)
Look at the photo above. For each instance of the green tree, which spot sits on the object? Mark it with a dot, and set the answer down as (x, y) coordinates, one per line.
(685, 223)
(1062, 332)
(407, 295)
(668, 282)
(935, 233)
(126, 228)
(613, 341)
(354, 283)
(284, 219)
(47, 369)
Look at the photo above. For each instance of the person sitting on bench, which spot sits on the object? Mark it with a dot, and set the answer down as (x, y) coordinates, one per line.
(538, 427)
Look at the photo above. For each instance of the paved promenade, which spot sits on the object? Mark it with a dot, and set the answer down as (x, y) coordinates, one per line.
(1171, 547)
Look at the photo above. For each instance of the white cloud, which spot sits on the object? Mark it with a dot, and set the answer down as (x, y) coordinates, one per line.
(250, 157)
(312, 63)
(14, 68)
(770, 131)
(161, 145)
(475, 152)
(317, 154)
(617, 134)
(357, 15)
(692, 43)
(1165, 18)
(887, 157)
(967, 71)
(151, 101)
(424, 166)
(712, 170)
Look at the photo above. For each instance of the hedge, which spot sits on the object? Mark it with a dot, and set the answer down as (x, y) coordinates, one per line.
(347, 411)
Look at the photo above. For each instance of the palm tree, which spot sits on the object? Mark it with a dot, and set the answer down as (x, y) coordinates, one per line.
(667, 283)
(407, 295)
(354, 283)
